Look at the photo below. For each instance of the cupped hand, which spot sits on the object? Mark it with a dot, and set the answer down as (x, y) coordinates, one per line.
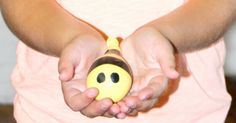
(74, 63)
(151, 58)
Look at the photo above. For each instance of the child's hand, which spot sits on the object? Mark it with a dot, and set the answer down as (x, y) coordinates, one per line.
(74, 64)
(152, 61)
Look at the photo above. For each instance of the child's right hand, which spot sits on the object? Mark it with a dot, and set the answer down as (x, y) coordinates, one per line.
(151, 58)
(75, 61)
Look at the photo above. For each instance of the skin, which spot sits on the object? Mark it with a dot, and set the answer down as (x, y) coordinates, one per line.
(63, 36)
(69, 38)
(193, 26)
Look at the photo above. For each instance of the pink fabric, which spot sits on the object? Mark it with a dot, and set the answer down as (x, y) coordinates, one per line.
(200, 97)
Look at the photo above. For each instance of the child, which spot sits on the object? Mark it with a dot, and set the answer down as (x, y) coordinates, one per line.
(155, 30)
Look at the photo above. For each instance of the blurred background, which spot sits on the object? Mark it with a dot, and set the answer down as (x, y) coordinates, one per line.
(7, 61)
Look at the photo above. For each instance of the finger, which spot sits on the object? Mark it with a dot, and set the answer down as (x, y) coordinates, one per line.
(154, 89)
(147, 105)
(78, 100)
(132, 102)
(97, 108)
(134, 112)
(146, 93)
(123, 107)
(114, 110)
(108, 115)
(121, 116)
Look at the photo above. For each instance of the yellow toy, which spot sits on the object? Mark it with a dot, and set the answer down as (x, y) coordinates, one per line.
(110, 74)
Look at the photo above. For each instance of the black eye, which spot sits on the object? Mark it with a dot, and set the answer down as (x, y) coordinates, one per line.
(115, 77)
(101, 77)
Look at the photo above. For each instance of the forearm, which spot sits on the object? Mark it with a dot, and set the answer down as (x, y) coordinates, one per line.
(197, 24)
(42, 24)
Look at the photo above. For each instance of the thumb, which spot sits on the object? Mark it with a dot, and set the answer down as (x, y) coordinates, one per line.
(168, 65)
(166, 58)
(66, 68)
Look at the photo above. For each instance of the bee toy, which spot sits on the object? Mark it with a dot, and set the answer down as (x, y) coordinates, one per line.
(110, 74)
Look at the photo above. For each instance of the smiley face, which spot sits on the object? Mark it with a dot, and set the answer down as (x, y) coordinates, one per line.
(111, 77)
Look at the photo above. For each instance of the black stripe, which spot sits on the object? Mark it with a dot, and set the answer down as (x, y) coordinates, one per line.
(110, 60)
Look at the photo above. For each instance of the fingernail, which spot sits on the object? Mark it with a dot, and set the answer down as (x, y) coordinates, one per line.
(143, 98)
(105, 105)
(173, 74)
(92, 93)
(114, 112)
(121, 116)
(62, 76)
(176, 73)
(125, 109)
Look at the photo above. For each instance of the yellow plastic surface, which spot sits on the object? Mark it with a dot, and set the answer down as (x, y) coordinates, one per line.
(113, 43)
(109, 89)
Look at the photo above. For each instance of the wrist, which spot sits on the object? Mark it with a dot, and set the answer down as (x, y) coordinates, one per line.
(161, 34)
(82, 41)
(174, 48)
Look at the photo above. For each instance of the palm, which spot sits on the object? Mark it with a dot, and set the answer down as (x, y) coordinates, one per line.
(143, 64)
(152, 61)
(81, 69)
(80, 55)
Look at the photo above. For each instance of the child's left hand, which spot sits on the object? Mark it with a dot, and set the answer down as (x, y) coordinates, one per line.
(151, 57)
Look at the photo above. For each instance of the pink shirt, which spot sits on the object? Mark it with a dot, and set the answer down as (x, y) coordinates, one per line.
(200, 97)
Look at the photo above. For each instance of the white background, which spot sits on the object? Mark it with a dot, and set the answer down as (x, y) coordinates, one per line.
(7, 59)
